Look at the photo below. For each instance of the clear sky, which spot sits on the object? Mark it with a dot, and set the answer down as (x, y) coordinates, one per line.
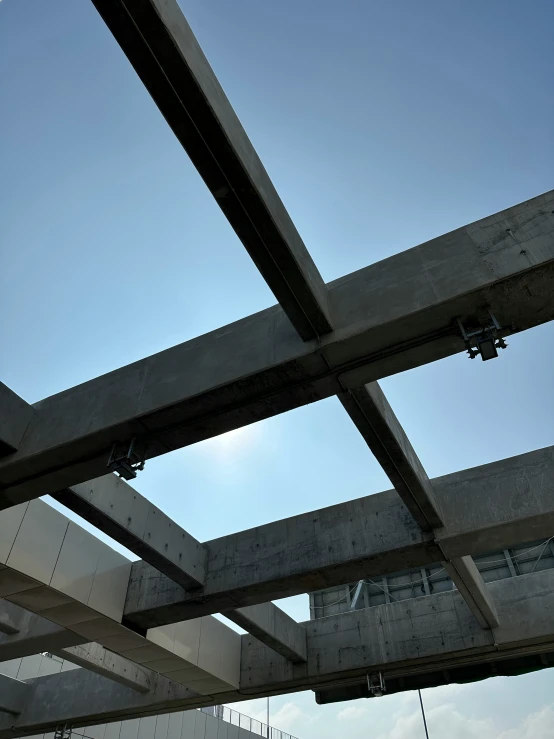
(382, 124)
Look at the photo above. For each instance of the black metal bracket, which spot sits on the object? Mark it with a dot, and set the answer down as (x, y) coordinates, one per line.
(126, 461)
(485, 340)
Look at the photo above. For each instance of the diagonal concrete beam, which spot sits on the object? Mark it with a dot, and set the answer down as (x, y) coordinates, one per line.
(13, 695)
(394, 315)
(10, 618)
(95, 658)
(469, 581)
(35, 634)
(375, 420)
(116, 508)
(160, 45)
(57, 570)
(15, 416)
(485, 508)
(274, 628)
(402, 639)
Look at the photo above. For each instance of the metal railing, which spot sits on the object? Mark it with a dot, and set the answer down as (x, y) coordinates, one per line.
(224, 713)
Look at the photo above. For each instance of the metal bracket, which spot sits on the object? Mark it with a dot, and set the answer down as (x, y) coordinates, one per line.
(125, 462)
(376, 684)
(484, 341)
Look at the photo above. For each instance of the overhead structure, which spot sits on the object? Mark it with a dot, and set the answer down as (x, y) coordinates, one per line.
(145, 633)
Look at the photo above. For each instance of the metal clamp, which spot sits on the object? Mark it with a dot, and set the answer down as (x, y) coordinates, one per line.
(484, 341)
(125, 462)
(376, 684)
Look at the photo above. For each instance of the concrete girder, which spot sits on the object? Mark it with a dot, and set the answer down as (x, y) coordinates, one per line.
(118, 510)
(54, 568)
(274, 628)
(392, 316)
(469, 581)
(14, 419)
(405, 638)
(13, 695)
(160, 45)
(35, 634)
(95, 658)
(485, 508)
(375, 420)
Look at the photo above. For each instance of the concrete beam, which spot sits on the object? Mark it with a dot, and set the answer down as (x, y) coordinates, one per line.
(95, 658)
(57, 570)
(160, 45)
(470, 583)
(13, 694)
(10, 618)
(274, 628)
(14, 419)
(485, 508)
(392, 316)
(375, 420)
(86, 698)
(401, 639)
(35, 634)
(118, 510)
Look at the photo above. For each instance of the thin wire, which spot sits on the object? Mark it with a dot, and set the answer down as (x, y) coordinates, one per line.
(423, 714)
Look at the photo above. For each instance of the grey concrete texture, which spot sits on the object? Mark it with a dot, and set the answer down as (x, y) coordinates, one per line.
(490, 507)
(389, 317)
(121, 512)
(15, 417)
(13, 696)
(35, 634)
(159, 43)
(275, 628)
(95, 658)
(374, 418)
(416, 634)
(401, 639)
(470, 583)
(118, 510)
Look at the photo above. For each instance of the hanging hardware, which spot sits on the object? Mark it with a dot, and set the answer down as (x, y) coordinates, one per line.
(376, 684)
(125, 462)
(484, 341)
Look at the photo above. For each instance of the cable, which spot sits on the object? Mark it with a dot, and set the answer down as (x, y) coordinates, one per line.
(423, 714)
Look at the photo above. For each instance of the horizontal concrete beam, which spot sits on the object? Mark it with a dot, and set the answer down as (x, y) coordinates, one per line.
(118, 510)
(95, 658)
(375, 420)
(486, 508)
(276, 629)
(13, 695)
(394, 315)
(404, 636)
(15, 416)
(401, 639)
(160, 45)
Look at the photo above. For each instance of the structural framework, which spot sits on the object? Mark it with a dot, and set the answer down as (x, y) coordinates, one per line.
(145, 631)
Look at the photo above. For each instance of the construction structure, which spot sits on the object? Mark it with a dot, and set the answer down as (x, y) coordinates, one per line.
(144, 633)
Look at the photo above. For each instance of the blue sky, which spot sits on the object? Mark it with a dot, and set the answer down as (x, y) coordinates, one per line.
(382, 125)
